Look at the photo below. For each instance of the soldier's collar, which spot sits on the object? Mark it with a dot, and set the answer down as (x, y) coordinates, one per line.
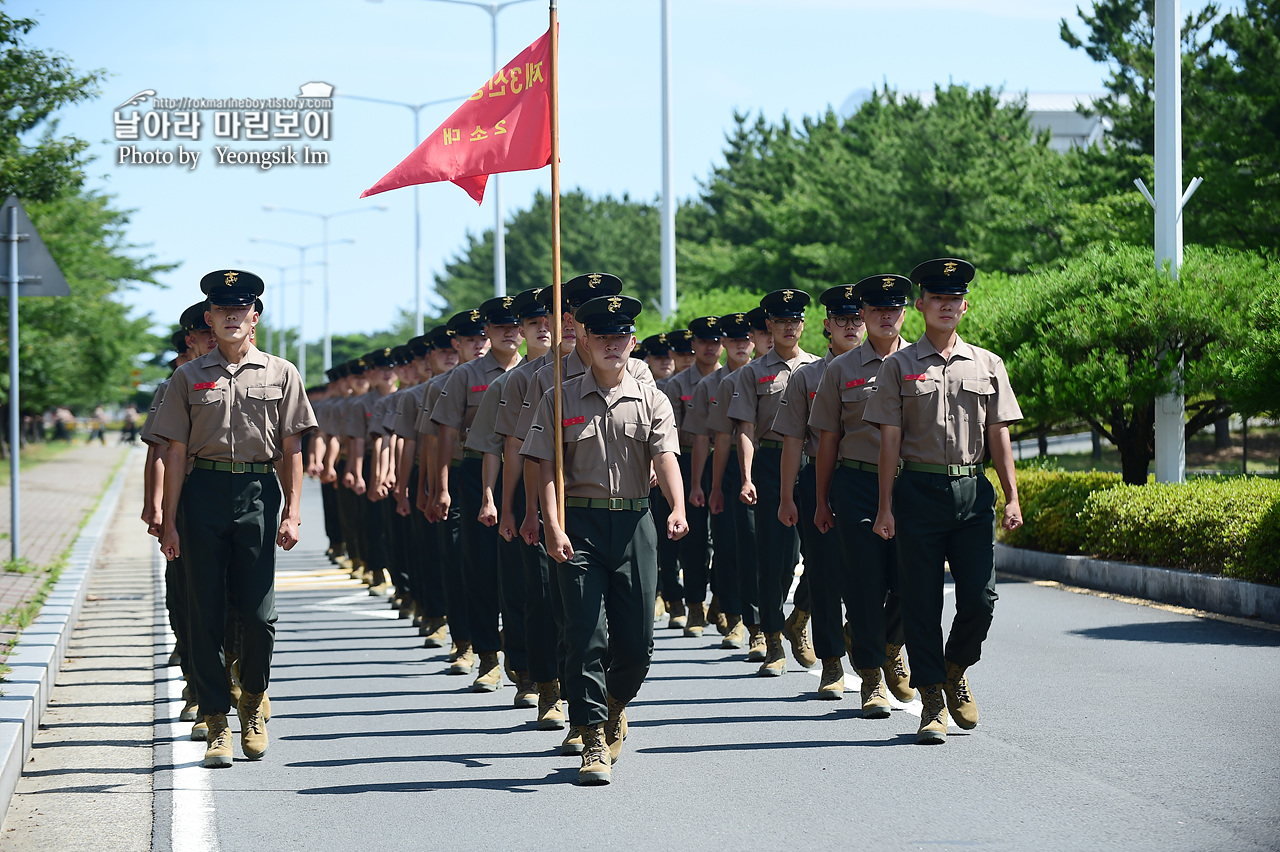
(924, 346)
(629, 387)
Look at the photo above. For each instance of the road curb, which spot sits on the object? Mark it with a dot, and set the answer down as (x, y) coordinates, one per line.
(41, 647)
(1219, 595)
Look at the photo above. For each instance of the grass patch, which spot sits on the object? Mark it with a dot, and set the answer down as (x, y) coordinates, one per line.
(33, 454)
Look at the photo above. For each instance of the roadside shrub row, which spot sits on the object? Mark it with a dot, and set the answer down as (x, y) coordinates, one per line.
(1221, 525)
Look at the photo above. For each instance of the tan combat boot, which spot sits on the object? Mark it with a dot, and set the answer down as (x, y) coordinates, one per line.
(266, 707)
(217, 754)
(933, 716)
(526, 691)
(253, 727)
(757, 646)
(659, 608)
(896, 675)
(832, 686)
(875, 698)
(233, 680)
(190, 707)
(489, 675)
(434, 629)
(677, 615)
(716, 617)
(775, 661)
(550, 712)
(796, 629)
(200, 730)
(572, 741)
(959, 700)
(595, 756)
(465, 660)
(697, 620)
(615, 730)
(736, 635)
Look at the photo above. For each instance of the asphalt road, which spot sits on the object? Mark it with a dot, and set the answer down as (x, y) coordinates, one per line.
(1105, 725)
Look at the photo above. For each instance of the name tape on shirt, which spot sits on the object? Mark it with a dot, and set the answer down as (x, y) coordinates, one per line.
(686, 398)
(479, 388)
(573, 421)
(855, 383)
(204, 385)
(769, 378)
(914, 377)
(812, 394)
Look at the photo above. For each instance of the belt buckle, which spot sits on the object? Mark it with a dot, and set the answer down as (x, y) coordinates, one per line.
(955, 470)
(615, 504)
(238, 467)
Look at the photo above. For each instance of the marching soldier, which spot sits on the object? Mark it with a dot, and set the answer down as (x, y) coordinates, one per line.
(942, 406)
(615, 430)
(238, 414)
(757, 392)
(661, 360)
(681, 342)
(453, 414)
(843, 326)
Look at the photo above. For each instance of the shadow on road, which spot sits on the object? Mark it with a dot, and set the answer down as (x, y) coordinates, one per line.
(1182, 632)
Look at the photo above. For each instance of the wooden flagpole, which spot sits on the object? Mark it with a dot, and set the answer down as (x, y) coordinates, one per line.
(557, 319)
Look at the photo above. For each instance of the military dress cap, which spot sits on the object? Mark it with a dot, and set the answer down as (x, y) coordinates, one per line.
(841, 300)
(355, 367)
(733, 325)
(257, 306)
(232, 287)
(638, 352)
(500, 310)
(610, 314)
(178, 341)
(418, 346)
(946, 275)
(884, 291)
(785, 304)
(379, 358)
(331, 374)
(193, 317)
(527, 306)
(466, 323)
(705, 328)
(440, 337)
(680, 340)
(756, 318)
(575, 292)
(656, 345)
(401, 354)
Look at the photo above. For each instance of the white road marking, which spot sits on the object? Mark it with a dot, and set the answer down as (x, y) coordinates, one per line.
(349, 604)
(191, 821)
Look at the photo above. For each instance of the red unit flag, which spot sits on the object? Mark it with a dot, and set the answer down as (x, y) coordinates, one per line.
(504, 127)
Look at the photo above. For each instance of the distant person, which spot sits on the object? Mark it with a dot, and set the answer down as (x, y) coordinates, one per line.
(129, 427)
(98, 426)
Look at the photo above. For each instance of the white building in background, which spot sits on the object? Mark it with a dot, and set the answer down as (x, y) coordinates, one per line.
(1052, 111)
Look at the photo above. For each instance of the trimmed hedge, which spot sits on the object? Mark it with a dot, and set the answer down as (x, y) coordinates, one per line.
(1220, 525)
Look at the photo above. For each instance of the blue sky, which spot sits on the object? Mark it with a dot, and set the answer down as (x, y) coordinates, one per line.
(793, 57)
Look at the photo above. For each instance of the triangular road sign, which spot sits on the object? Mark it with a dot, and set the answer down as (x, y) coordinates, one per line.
(40, 274)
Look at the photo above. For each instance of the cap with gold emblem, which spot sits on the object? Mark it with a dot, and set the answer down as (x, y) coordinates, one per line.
(756, 318)
(232, 287)
(575, 292)
(439, 337)
(638, 352)
(610, 314)
(948, 276)
(705, 328)
(657, 345)
(193, 317)
(841, 301)
(466, 323)
(883, 291)
(379, 358)
(401, 355)
(734, 325)
(785, 304)
(499, 310)
(418, 346)
(680, 340)
(527, 306)
(355, 367)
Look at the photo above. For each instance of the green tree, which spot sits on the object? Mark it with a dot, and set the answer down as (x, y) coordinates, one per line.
(33, 85)
(1098, 339)
(1230, 113)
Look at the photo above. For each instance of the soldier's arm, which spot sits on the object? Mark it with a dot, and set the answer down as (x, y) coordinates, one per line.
(890, 449)
(746, 457)
(719, 461)
(289, 469)
(489, 468)
(697, 464)
(789, 469)
(667, 469)
(824, 469)
(175, 472)
(1002, 461)
(445, 439)
(512, 474)
(558, 546)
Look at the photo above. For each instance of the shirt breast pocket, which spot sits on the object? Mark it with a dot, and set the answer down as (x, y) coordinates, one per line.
(975, 396)
(854, 400)
(264, 394)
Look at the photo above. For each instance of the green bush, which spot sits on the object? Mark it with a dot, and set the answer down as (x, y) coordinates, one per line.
(1213, 526)
(1051, 501)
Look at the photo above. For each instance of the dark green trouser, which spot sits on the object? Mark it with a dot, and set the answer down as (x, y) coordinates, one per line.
(822, 570)
(329, 502)
(453, 579)
(479, 550)
(377, 539)
(349, 516)
(424, 556)
(869, 567)
(608, 588)
(668, 550)
(739, 583)
(543, 627)
(944, 519)
(227, 536)
(777, 545)
(695, 547)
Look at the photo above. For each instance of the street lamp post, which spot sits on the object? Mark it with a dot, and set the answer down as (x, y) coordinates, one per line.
(499, 237)
(668, 181)
(324, 230)
(416, 109)
(302, 301)
(280, 271)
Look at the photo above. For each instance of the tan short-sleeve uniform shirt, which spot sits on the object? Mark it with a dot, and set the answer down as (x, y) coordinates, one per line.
(407, 408)
(757, 391)
(610, 436)
(147, 433)
(513, 400)
(699, 406)
(846, 387)
(571, 367)
(792, 419)
(462, 392)
(679, 389)
(482, 437)
(235, 412)
(430, 394)
(943, 406)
